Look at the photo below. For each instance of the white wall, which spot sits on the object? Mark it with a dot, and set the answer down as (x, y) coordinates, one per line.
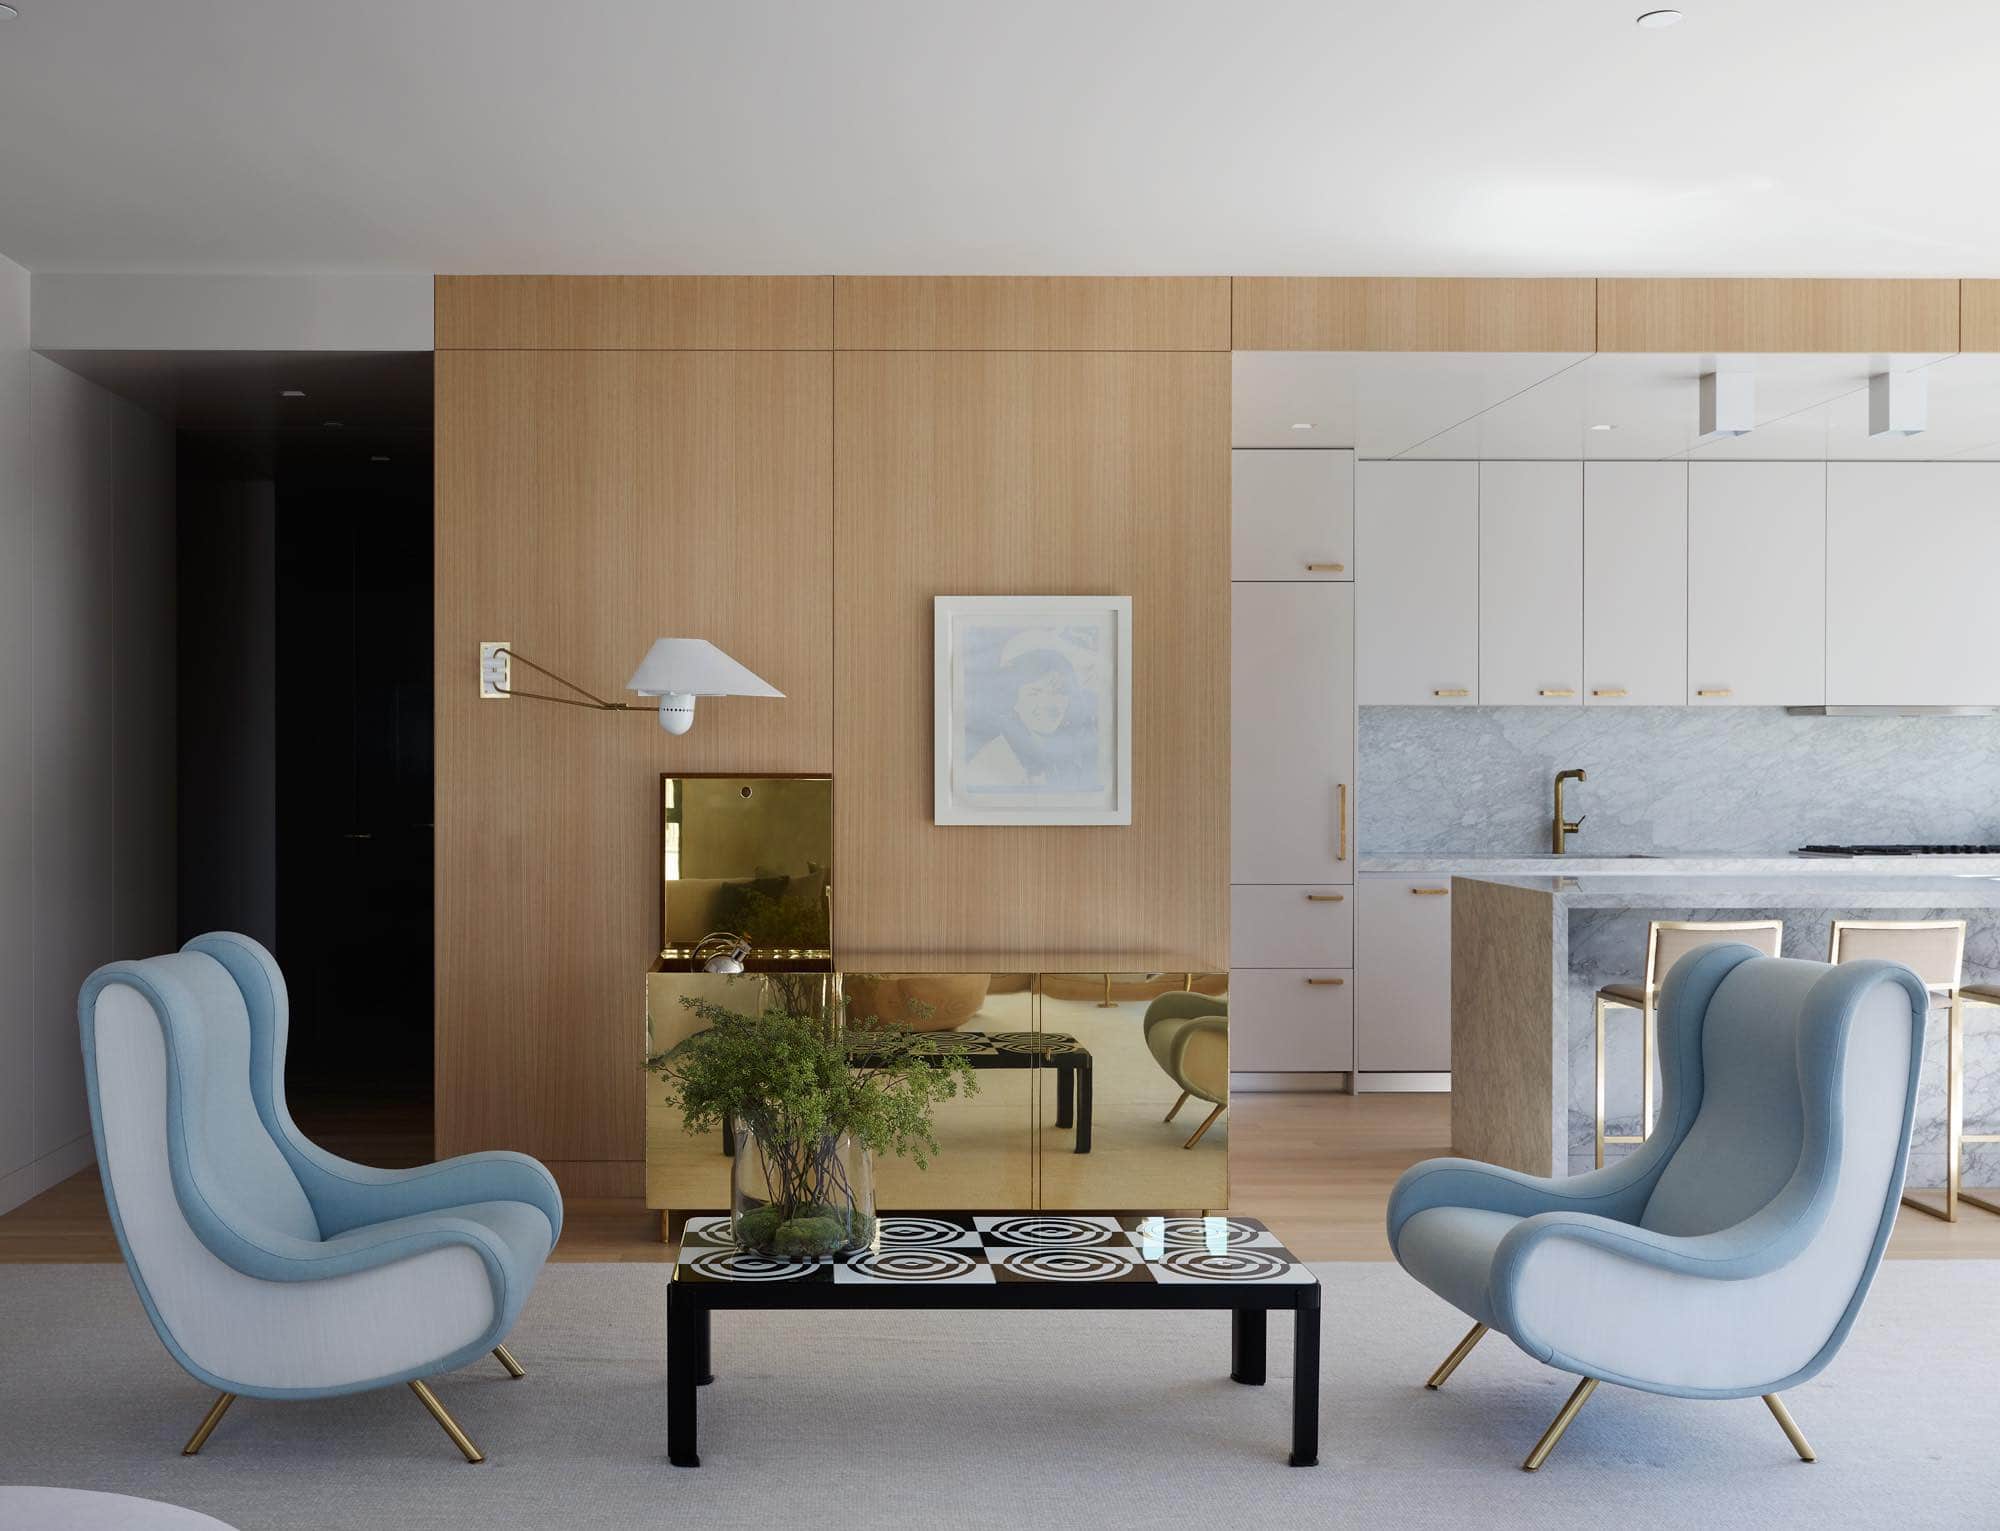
(307, 311)
(86, 727)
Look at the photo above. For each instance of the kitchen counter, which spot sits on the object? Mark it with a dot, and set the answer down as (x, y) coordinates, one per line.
(1771, 890)
(1680, 864)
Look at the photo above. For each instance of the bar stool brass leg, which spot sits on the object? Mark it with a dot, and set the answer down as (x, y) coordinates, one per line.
(1459, 1353)
(1954, 1106)
(1790, 1426)
(1600, 1081)
(1561, 1423)
(506, 1358)
(458, 1437)
(209, 1421)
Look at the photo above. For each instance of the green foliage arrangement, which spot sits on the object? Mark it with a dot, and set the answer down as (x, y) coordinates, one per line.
(800, 1081)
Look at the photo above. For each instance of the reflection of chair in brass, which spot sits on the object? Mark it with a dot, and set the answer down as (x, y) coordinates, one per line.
(1667, 941)
(1935, 951)
(1188, 1035)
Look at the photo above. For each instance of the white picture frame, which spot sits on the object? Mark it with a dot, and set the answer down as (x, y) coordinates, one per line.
(1032, 722)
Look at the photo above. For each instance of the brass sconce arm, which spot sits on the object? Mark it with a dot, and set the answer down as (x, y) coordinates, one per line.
(584, 698)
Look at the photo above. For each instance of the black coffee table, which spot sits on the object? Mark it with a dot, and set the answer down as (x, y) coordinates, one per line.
(1015, 1260)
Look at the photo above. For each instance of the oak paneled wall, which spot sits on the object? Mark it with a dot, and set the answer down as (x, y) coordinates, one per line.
(588, 502)
(634, 313)
(1369, 313)
(1776, 314)
(975, 473)
(1979, 315)
(1031, 313)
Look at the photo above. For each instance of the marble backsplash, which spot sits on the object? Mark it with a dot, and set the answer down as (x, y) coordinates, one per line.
(1747, 780)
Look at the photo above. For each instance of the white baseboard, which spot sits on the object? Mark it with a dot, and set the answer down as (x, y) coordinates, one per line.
(1273, 1084)
(31, 1179)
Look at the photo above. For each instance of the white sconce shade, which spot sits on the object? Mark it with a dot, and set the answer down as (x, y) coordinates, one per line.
(677, 670)
(1898, 403)
(1728, 403)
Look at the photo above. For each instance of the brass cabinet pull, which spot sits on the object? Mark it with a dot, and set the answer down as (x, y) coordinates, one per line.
(1609, 691)
(1451, 691)
(1326, 568)
(1558, 691)
(1340, 807)
(1717, 691)
(1325, 898)
(1431, 892)
(1332, 981)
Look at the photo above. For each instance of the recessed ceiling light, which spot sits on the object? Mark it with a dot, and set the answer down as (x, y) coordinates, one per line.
(378, 457)
(1604, 427)
(1302, 425)
(291, 393)
(8, 13)
(1653, 20)
(333, 425)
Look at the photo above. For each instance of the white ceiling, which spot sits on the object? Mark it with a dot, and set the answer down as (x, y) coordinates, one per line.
(1403, 404)
(1326, 136)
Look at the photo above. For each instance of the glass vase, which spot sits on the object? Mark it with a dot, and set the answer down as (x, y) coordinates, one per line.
(800, 1198)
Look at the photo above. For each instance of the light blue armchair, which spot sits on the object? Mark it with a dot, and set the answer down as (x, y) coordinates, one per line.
(1728, 1255)
(268, 1266)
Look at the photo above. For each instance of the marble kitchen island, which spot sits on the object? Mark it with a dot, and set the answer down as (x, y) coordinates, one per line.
(1528, 953)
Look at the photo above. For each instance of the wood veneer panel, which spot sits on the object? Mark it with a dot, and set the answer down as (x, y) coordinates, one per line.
(1776, 314)
(1031, 313)
(1979, 315)
(635, 313)
(587, 503)
(1008, 473)
(1374, 313)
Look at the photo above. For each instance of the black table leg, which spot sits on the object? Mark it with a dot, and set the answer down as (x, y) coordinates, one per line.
(1084, 1094)
(1065, 1092)
(704, 1357)
(1305, 1383)
(687, 1325)
(1246, 1346)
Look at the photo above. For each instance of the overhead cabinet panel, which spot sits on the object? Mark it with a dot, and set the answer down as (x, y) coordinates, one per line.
(1530, 584)
(1911, 550)
(1292, 514)
(1756, 584)
(1635, 588)
(1417, 609)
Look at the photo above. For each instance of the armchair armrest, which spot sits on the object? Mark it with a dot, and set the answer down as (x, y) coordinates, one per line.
(347, 1196)
(1615, 1193)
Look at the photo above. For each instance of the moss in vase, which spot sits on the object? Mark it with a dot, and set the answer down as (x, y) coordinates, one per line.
(810, 1236)
(756, 1228)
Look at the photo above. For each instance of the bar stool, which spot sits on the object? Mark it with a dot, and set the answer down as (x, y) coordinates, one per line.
(1667, 941)
(1935, 951)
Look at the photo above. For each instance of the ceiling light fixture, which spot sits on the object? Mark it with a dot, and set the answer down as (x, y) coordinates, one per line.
(378, 457)
(8, 13)
(1898, 403)
(1302, 425)
(333, 425)
(1652, 21)
(1728, 403)
(291, 393)
(1604, 427)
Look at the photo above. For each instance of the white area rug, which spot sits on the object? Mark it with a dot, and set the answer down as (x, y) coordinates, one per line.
(1043, 1421)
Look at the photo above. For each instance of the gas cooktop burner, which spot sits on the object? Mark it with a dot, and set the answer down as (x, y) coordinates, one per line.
(1899, 850)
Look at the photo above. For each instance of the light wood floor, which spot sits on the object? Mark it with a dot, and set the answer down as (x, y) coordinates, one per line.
(1316, 1168)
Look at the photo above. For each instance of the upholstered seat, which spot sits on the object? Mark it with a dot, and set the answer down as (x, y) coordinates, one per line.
(267, 1265)
(1729, 1255)
(1188, 1036)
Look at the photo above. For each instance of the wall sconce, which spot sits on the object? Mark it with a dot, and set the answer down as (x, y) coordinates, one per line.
(676, 670)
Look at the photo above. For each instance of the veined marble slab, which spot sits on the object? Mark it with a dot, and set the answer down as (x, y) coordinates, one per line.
(1854, 891)
(1694, 863)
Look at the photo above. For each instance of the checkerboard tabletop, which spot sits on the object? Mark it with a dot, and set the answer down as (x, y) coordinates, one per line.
(970, 1249)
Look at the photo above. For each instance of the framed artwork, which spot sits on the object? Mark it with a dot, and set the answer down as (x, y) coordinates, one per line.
(1033, 720)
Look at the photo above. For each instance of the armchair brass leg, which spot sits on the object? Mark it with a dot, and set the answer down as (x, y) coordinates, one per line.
(1790, 1426)
(458, 1437)
(1464, 1349)
(1554, 1433)
(506, 1358)
(213, 1418)
(1206, 1123)
(1177, 1106)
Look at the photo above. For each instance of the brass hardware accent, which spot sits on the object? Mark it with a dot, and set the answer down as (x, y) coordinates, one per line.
(1431, 892)
(209, 1421)
(1790, 1426)
(1609, 691)
(1326, 568)
(1561, 1423)
(506, 1358)
(1207, 1122)
(1558, 691)
(1452, 691)
(1177, 1106)
(1325, 898)
(1462, 1350)
(1334, 982)
(458, 1437)
(1563, 826)
(1717, 691)
(1341, 813)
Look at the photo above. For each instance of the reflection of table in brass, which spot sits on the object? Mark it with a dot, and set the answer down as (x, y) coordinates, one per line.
(1006, 1050)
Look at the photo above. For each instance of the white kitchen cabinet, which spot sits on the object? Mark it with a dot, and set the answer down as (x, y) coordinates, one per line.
(1756, 584)
(1291, 514)
(1291, 1020)
(1635, 584)
(1416, 532)
(1402, 1001)
(1530, 584)
(1911, 549)
(1291, 773)
(1281, 927)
